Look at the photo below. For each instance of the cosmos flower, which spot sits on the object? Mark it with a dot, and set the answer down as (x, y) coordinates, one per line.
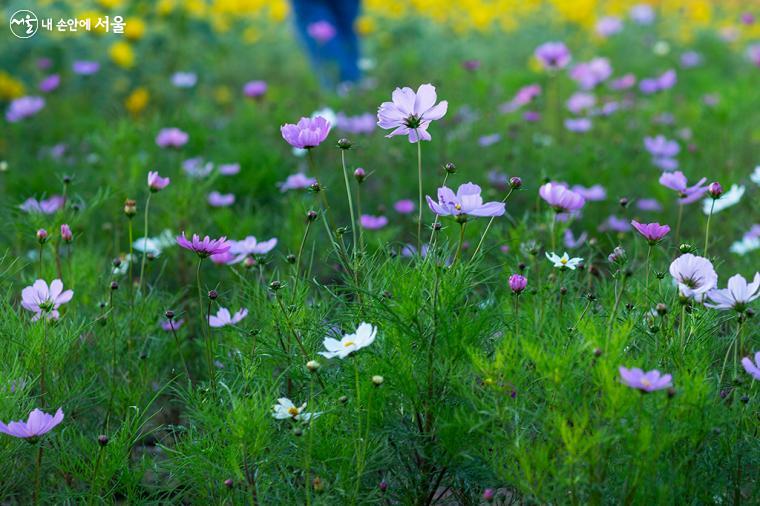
(726, 200)
(249, 246)
(229, 169)
(155, 245)
(307, 133)
(322, 31)
(184, 79)
(405, 206)
(466, 202)
(171, 138)
(297, 181)
(553, 55)
(168, 324)
(578, 125)
(361, 124)
(517, 283)
(255, 89)
(590, 74)
(648, 205)
(661, 147)
(645, 381)
(37, 424)
(364, 336)
(593, 193)
(66, 233)
(642, 14)
(737, 295)
(45, 206)
(678, 182)
(85, 67)
(216, 199)
(749, 242)
(410, 113)
(623, 83)
(50, 83)
(157, 183)
(24, 107)
(580, 101)
(752, 369)
(524, 96)
(224, 318)
(560, 198)
(664, 81)
(572, 242)
(564, 261)
(197, 167)
(694, 275)
(43, 300)
(690, 59)
(652, 232)
(369, 222)
(285, 409)
(488, 140)
(204, 247)
(609, 25)
(615, 224)
(755, 176)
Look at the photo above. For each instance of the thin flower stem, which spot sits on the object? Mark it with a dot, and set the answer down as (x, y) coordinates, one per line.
(358, 431)
(707, 228)
(649, 267)
(56, 250)
(683, 326)
(94, 480)
(307, 464)
(618, 298)
(461, 241)
(354, 230)
(145, 243)
(179, 349)
(435, 221)
(130, 281)
(419, 184)
(295, 335)
(488, 227)
(359, 215)
(517, 315)
(298, 259)
(40, 270)
(678, 223)
(551, 231)
(43, 364)
(734, 344)
(209, 359)
(37, 475)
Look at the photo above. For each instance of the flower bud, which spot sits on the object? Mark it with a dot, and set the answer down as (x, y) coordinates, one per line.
(318, 484)
(130, 208)
(42, 236)
(450, 168)
(383, 486)
(66, 234)
(249, 262)
(114, 285)
(360, 175)
(311, 215)
(623, 202)
(437, 226)
(315, 187)
(275, 285)
(597, 352)
(313, 365)
(715, 190)
(661, 309)
(377, 380)
(488, 494)
(116, 262)
(517, 283)
(67, 179)
(343, 399)
(563, 291)
(212, 294)
(515, 183)
(297, 432)
(291, 258)
(685, 248)
(169, 314)
(102, 440)
(344, 143)
(228, 483)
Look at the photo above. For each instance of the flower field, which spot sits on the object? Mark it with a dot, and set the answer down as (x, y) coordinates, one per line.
(515, 261)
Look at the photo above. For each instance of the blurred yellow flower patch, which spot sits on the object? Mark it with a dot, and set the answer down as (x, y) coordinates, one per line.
(10, 87)
(122, 54)
(137, 100)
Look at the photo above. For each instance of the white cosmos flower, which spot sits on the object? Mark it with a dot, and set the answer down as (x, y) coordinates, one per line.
(694, 275)
(745, 245)
(286, 409)
(155, 245)
(564, 261)
(755, 177)
(737, 295)
(364, 336)
(728, 199)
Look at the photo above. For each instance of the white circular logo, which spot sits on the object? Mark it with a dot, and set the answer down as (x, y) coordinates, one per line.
(24, 24)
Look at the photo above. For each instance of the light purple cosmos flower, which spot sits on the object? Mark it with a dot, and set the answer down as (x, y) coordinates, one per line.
(652, 232)
(50, 83)
(229, 169)
(297, 181)
(560, 198)
(648, 205)
(737, 295)
(307, 133)
(361, 124)
(405, 206)
(369, 222)
(608, 25)
(572, 242)
(184, 79)
(753, 54)
(255, 89)
(579, 102)
(410, 113)
(590, 74)
(250, 247)
(660, 146)
(168, 324)
(224, 318)
(690, 59)
(466, 202)
(678, 182)
(216, 199)
(85, 67)
(645, 381)
(593, 193)
(66, 233)
(204, 247)
(665, 164)
(171, 138)
(45, 206)
(642, 14)
(694, 275)
(517, 283)
(664, 81)
(578, 125)
(197, 167)
(488, 140)
(753, 369)
(531, 116)
(43, 300)
(44, 63)
(322, 31)
(157, 183)
(24, 107)
(615, 224)
(553, 55)
(524, 96)
(38, 424)
(623, 83)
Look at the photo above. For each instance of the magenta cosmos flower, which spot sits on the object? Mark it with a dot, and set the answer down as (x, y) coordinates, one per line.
(157, 183)
(466, 202)
(307, 133)
(44, 300)
(694, 275)
(752, 368)
(38, 424)
(50, 83)
(216, 199)
(517, 283)
(85, 67)
(410, 113)
(369, 222)
(652, 232)
(171, 138)
(737, 295)
(322, 31)
(169, 325)
(255, 89)
(24, 107)
(296, 181)
(404, 206)
(678, 182)
(66, 233)
(553, 55)
(224, 318)
(645, 381)
(560, 198)
(204, 247)
(45, 206)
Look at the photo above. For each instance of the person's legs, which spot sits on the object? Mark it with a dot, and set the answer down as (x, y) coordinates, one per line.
(321, 55)
(345, 13)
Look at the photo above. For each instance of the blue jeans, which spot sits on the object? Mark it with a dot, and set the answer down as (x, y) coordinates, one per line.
(340, 55)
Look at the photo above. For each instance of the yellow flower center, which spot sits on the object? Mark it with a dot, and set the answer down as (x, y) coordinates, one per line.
(293, 411)
(458, 207)
(646, 382)
(563, 261)
(348, 343)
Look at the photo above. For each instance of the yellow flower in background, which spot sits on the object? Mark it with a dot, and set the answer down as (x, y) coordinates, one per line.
(134, 28)
(251, 35)
(137, 100)
(279, 10)
(93, 17)
(122, 54)
(111, 4)
(196, 8)
(223, 94)
(365, 25)
(10, 87)
(165, 7)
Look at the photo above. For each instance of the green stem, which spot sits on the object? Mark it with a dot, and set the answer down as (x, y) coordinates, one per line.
(707, 228)
(145, 243)
(131, 259)
(204, 331)
(358, 431)
(419, 184)
(488, 227)
(298, 259)
(94, 481)
(649, 253)
(179, 349)
(678, 223)
(37, 476)
(354, 229)
(551, 231)
(461, 241)
(43, 364)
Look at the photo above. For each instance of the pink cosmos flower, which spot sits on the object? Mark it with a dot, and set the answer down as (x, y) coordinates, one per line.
(410, 113)
(615, 224)
(737, 295)
(66, 234)
(661, 147)
(50, 83)
(157, 183)
(579, 102)
(590, 74)
(592, 193)
(652, 232)
(645, 381)
(517, 283)
(216, 199)
(322, 31)
(37, 424)
(579, 125)
(752, 369)
(46, 206)
(609, 25)
(531, 116)
(560, 198)
(255, 89)
(297, 181)
(204, 247)
(677, 181)
(466, 202)
(307, 133)
(553, 55)
(251, 247)
(623, 83)
(694, 275)
(24, 107)
(171, 138)
(43, 300)
(361, 124)
(369, 222)
(524, 96)
(229, 169)
(404, 206)
(648, 205)
(168, 324)
(224, 318)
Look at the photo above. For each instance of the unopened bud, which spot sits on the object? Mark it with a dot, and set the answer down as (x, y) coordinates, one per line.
(313, 365)
(102, 440)
(450, 167)
(360, 175)
(377, 380)
(344, 143)
(515, 182)
(42, 236)
(130, 208)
